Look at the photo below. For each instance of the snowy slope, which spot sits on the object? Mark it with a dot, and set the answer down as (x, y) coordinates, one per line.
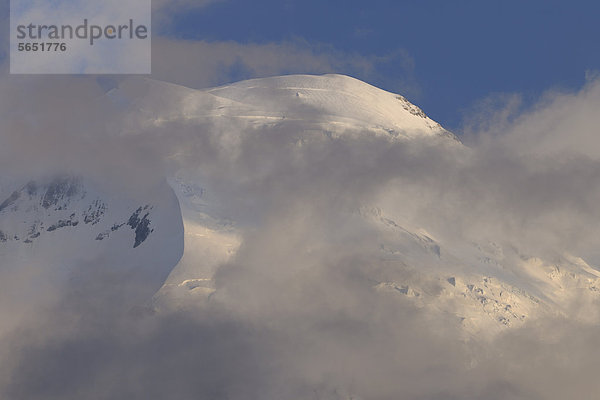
(330, 101)
(63, 228)
(328, 105)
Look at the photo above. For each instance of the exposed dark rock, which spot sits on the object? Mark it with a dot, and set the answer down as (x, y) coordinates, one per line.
(411, 108)
(60, 224)
(33, 232)
(140, 225)
(10, 201)
(134, 220)
(60, 189)
(31, 188)
(142, 231)
(94, 212)
(101, 236)
(403, 289)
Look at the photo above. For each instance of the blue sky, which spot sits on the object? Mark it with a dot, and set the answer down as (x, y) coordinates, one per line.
(444, 55)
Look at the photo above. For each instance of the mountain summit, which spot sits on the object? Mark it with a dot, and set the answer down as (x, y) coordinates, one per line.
(329, 104)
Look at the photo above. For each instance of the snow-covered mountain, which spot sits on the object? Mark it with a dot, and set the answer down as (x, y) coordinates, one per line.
(321, 105)
(480, 285)
(65, 227)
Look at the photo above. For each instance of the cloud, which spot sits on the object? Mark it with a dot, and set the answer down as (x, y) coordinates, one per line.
(295, 314)
(212, 63)
(209, 63)
(164, 11)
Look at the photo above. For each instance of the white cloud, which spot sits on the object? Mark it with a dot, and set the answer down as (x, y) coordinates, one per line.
(200, 64)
